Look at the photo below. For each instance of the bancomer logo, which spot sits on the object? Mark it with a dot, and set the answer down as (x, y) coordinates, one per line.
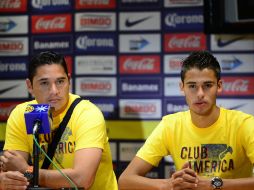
(143, 109)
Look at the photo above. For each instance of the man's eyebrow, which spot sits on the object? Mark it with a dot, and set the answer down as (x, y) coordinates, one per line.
(45, 79)
(205, 82)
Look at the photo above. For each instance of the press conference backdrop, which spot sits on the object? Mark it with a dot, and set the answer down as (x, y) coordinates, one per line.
(124, 56)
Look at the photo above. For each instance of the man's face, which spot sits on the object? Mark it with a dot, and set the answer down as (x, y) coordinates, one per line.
(50, 86)
(200, 88)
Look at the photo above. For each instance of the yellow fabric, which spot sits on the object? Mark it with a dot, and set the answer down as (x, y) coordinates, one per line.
(86, 128)
(225, 149)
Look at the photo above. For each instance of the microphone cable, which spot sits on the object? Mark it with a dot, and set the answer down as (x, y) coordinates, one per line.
(64, 175)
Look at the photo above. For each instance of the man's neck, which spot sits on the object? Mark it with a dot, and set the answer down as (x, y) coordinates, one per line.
(203, 121)
(55, 113)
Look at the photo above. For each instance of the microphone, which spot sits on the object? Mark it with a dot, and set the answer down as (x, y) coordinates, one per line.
(38, 118)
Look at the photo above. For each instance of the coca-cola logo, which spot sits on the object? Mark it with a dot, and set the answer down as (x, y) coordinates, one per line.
(143, 64)
(188, 42)
(238, 85)
(55, 23)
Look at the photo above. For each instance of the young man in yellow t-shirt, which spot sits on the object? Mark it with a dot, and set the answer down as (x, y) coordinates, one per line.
(83, 152)
(212, 147)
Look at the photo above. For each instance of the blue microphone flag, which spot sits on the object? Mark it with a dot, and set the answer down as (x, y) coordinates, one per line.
(38, 113)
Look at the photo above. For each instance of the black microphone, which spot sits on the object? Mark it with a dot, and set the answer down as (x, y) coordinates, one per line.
(38, 118)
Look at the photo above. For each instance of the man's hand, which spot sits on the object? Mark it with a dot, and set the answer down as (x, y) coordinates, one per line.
(184, 179)
(13, 161)
(13, 180)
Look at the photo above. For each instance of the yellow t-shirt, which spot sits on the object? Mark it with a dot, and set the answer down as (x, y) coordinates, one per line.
(224, 149)
(86, 128)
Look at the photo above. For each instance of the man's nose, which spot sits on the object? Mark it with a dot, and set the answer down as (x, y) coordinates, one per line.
(53, 88)
(200, 92)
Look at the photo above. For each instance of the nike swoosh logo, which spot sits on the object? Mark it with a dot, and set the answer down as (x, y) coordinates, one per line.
(7, 89)
(129, 23)
(223, 43)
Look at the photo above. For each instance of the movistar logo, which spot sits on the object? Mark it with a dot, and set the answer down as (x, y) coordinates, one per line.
(7, 26)
(230, 64)
(138, 44)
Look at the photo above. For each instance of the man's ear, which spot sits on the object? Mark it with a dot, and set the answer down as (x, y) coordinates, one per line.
(181, 88)
(220, 86)
(29, 86)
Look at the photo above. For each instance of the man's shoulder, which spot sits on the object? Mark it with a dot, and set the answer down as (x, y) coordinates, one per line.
(234, 112)
(84, 104)
(23, 105)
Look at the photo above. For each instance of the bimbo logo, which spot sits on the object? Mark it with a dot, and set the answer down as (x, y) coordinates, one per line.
(11, 46)
(96, 21)
(140, 108)
(94, 86)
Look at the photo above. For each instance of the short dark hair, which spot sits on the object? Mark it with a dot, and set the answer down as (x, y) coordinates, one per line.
(201, 60)
(44, 58)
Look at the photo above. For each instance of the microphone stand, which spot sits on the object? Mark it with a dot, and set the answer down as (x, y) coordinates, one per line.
(36, 153)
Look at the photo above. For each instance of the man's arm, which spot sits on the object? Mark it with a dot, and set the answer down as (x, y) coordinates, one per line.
(134, 178)
(86, 163)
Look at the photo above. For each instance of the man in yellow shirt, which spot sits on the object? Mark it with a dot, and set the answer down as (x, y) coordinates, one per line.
(83, 152)
(212, 147)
